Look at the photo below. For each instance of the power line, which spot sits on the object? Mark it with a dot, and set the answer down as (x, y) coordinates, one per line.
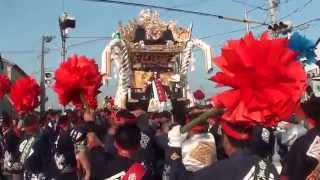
(222, 33)
(251, 5)
(88, 37)
(297, 10)
(100, 38)
(85, 42)
(307, 22)
(261, 7)
(35, 51)
(253, 9)
(31, 51)
(229, 32)
(233, 31)
(182, 11)
(184, 5)
(189, 4)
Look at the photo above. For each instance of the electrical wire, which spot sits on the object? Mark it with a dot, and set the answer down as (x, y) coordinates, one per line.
(189, 4)
(184, 5)
(305, 25)
(256, 27)
(85, 42)
(257, 7)
(233, 31)
(88, 37)
(31, 51)
(36, 51)
(308, 22)
(181, 11)
(100, 39)
(297, 10)
(250, 5)
(230, 32)
(242, 29)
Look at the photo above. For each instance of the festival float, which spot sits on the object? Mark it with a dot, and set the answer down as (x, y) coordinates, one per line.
(150, 58)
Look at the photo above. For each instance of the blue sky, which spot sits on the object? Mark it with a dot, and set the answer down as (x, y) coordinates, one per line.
(23, 22)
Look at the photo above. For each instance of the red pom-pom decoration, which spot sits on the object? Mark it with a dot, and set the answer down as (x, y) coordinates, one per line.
(5, 85)
(198, 95)
(24, 94)
(77, 81)
(266, 80)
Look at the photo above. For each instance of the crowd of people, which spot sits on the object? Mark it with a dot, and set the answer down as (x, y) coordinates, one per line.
(135, 144)
(266, 126)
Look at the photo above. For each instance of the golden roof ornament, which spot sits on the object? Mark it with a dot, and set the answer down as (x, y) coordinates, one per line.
(153, 29)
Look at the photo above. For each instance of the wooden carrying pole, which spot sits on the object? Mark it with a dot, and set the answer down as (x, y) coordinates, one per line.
(214, 112)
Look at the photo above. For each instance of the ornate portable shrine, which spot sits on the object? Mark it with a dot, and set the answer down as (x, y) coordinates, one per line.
(146, 49)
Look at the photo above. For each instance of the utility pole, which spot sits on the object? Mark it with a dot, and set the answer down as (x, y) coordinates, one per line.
(246, 18)
(272, 8)
(66, 22)
(63, 45)
(63, 33)
(273, 4)
(45, 39)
